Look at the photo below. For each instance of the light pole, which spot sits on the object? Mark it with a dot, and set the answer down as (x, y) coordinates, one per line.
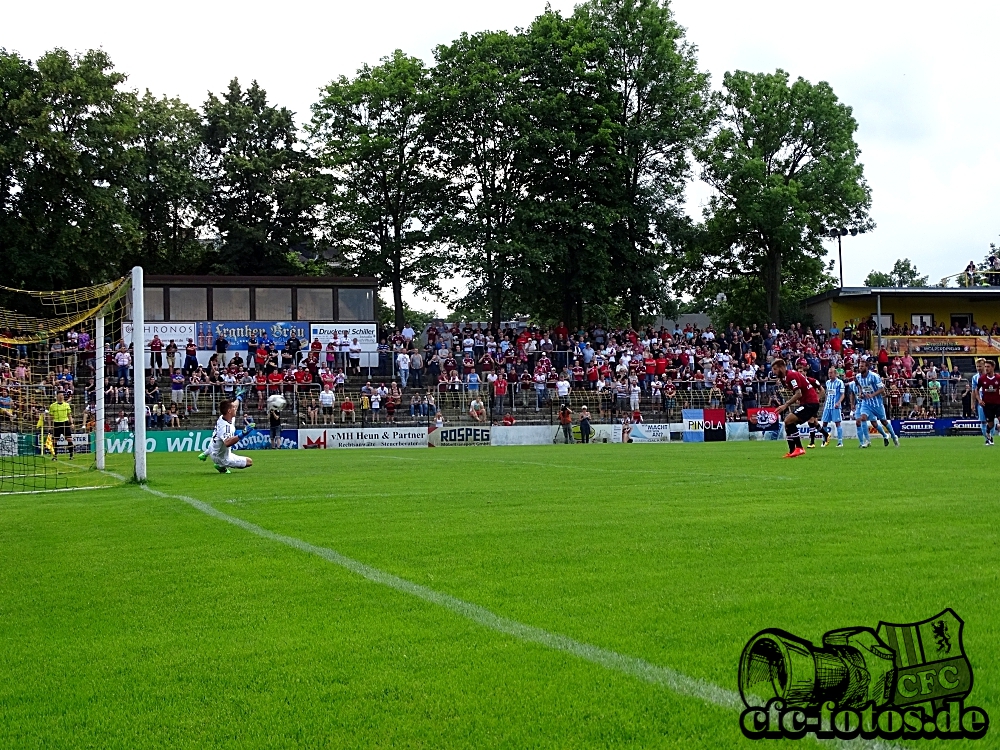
(838, 233)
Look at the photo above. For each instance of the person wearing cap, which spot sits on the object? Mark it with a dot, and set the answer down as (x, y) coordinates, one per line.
(585, 424)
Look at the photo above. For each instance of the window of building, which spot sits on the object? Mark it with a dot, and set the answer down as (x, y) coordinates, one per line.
(231, 303)
(922, 319)
(152, 299)
(188, 303)
(314, 304)
(273, 303)
(355, 304)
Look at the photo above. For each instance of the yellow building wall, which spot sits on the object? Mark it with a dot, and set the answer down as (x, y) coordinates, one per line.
(902, 308)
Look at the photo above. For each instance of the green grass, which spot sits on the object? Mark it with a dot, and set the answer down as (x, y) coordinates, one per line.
(129, 620)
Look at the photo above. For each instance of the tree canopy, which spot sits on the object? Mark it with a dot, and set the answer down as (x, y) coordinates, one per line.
(539, 172)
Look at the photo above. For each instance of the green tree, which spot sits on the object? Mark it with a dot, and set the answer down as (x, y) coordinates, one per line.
(661, 113)
(784, 164)
(903, 273)
(480, 115)
(265, 187)
(574, 175)
(372, 133)
(168, 193)
(65, 129)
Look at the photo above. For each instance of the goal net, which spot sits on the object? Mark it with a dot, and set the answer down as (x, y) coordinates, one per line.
(65, 374)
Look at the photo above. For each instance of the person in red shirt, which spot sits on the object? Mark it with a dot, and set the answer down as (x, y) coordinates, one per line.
(801, 407)
(989, 397)
(500, 392)
(274, 381)
(261, 380)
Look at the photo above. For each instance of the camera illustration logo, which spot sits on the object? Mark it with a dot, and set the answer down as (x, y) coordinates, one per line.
(897, 681)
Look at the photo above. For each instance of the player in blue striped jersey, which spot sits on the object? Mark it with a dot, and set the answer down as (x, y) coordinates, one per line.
(831, 410)
(872, 405)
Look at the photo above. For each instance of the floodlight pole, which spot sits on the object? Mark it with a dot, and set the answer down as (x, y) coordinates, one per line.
(139, 370)
(99, 364)
(840, 254)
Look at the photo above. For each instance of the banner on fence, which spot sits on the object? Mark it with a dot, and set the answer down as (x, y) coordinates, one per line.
(764, 419)
(179, 332)
(371, 437)
(238, 332)
(548, 434)
(704, 425)
(182, 441)
(943, 346)
(448, 436)
(647, 433)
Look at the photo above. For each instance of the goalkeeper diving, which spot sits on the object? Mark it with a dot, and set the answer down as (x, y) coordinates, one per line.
(225, 437)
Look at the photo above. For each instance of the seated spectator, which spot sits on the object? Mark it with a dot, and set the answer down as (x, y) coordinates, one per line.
(347, 409)
(476, 410)
(173, 418)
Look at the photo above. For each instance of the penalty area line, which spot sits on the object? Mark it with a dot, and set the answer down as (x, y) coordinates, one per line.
(671, 679)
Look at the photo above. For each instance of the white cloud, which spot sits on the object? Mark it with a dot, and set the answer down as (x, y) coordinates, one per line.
(922, 80)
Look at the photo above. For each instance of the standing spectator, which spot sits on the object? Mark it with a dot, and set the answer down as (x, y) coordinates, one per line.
(326, 401)
(274, 423)
(190, 358)
(390, 410)
(293, 347)
(171, 350)
(221, 347)
(123, 361)
(156, 355)
(403, 367)
(585, 425)
(562, 389)
(252, 352)
(500, 393)
(354, 352)
(408, 335)
(416, 367)
(566, 422)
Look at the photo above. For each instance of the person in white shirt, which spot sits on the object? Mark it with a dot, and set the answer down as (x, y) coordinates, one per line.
(225, 437)
(408, 335)
(326, 401)
(354, 352)
(403, 367)
(562, 390)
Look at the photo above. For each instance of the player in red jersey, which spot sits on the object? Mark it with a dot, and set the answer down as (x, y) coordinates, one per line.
(805, 401)
(989, 396)
(815, 428)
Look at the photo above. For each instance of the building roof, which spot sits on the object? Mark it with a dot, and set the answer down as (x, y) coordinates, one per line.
(973, 292)
(209, 280)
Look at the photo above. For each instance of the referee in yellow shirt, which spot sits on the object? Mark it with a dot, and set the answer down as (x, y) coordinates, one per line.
(62, 423)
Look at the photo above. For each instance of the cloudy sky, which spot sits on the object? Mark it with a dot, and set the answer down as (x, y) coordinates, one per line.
(923, 81)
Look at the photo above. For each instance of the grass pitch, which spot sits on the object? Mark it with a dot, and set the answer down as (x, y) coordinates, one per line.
(131, 620)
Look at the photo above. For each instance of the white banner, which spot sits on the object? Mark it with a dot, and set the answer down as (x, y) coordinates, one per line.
(546, 435)
(650, 433)
(179, 332)
(364, 437)
(365, 333)
(458, 436)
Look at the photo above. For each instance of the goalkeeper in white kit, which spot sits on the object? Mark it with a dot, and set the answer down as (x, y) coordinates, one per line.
(225, 437)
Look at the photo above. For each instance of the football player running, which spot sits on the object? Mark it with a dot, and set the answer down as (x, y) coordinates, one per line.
(805, 401)
(225, 437)
(989, 394)
(831, 411)
(872, 406)
(977, 399)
